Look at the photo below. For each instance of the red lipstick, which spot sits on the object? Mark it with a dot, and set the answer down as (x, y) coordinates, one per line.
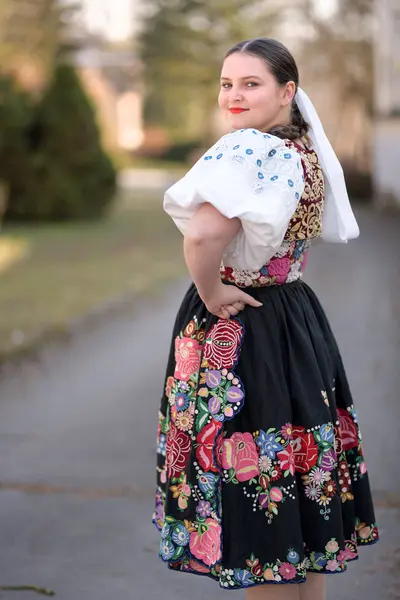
(237, 110)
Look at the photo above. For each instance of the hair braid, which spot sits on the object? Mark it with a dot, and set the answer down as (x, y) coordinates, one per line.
(296, 129)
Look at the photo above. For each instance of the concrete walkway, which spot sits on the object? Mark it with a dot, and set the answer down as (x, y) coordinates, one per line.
(77, 432)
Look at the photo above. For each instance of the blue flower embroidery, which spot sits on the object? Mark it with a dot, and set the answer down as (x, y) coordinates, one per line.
(165, 531)
(259, 163)
(180, 535)
(274, 178)
(293, 557)
(207, 157)
(249, 151)
(299, 248)
(162, 444)
(181, 401)
(272, 153)
(320, 560)
(260, 176)
(243, 577)
(219, 156)
(290, 182)
(268, 444)
(236, 147)
(326, 433)
(287, 155)
(167, 550)
(207, 482)
(297, 195)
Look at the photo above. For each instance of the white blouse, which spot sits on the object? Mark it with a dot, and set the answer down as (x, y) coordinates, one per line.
(249, 175)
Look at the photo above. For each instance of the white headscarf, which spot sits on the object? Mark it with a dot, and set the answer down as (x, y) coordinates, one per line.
(338, 222)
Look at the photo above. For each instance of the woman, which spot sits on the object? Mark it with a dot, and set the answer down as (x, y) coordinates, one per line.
(261, 475)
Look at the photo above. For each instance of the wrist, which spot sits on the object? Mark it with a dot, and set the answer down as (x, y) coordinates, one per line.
(209, 292)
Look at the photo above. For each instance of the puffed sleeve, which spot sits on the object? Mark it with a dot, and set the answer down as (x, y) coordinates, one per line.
(249, 175)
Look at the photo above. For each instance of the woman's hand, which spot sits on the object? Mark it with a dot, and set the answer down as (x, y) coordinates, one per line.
(227, 301)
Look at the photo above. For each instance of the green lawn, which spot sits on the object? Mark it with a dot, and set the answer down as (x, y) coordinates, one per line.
(52, 273)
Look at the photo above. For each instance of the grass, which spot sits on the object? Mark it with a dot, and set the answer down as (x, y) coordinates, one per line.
(50, 274)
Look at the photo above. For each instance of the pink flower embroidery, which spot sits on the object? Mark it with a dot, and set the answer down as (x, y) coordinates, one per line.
(287, 571)
(177, 451)
(279, 268)
(239, 452)
(332, 565)
(222, 343)
(187, 357)
(205, 544)
(348, 430)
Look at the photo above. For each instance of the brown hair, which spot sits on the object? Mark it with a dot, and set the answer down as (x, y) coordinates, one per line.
(282, 65)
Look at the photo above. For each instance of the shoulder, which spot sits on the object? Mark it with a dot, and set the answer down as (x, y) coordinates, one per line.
(251, 146)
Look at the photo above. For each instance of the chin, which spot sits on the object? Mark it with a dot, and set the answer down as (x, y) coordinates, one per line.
(238, 122)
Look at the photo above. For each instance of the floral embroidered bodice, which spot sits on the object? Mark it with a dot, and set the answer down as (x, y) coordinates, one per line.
(289, 261)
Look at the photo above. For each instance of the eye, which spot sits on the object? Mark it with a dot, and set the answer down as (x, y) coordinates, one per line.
(226, 86)
(251, 84)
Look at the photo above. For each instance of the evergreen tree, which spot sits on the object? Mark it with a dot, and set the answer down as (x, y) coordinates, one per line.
(69, 175)
(15, 119)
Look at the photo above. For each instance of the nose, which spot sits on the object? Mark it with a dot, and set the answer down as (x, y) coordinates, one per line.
(236, 95)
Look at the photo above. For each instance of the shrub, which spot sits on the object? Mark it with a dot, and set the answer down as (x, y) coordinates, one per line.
(68, 175)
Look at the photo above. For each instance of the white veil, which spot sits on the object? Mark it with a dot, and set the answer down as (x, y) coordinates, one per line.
(338, 221)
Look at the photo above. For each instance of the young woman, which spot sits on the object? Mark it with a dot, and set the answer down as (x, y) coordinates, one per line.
(261, 474)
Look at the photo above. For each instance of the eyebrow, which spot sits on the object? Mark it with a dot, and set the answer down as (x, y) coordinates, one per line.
(247, 77)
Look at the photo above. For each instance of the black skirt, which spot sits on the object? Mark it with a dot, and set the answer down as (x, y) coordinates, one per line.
(261, 472)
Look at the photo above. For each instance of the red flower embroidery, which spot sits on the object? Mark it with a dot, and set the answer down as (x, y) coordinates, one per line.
(305, 450)
(286, 460)
(177, 451)
(187, 357)
(204, 451)
(222, 343)
(348, 429)
(168, 386)
(287, 571)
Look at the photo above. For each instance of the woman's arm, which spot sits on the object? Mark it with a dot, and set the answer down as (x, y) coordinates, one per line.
(206, 238)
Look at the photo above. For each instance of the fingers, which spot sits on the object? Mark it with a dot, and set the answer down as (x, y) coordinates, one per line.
(251, 301)
(231, 310)
(223, 313)
(234, 308)
(238, 305)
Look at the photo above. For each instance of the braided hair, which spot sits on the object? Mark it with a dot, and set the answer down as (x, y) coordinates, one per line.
(283, 66)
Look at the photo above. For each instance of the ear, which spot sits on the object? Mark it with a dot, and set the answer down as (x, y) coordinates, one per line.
(289, 93)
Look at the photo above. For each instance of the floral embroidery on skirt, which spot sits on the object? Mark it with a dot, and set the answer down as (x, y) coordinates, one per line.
(261, 471)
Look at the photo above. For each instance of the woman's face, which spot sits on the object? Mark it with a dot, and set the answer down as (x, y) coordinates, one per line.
(250, 96)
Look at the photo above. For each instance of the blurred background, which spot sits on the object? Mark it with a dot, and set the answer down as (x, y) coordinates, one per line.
(104, 104)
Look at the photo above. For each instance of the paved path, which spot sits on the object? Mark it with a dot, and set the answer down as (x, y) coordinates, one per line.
(77, 436)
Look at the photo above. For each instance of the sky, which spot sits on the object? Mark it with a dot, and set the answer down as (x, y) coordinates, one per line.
(116, 18)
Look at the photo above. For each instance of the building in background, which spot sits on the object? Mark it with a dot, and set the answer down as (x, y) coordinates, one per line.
(111, 77)
(386, 154)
